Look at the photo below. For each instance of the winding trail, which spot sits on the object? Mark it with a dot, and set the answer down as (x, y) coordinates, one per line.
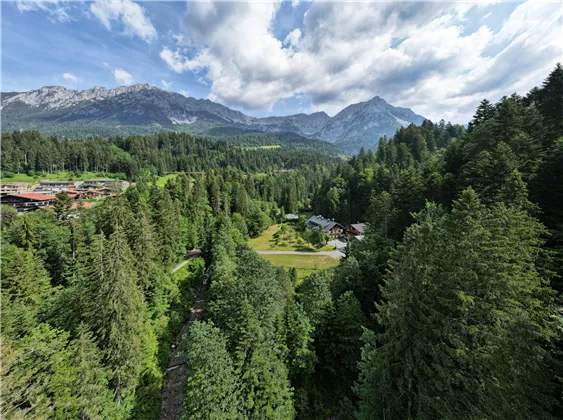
(177, 371)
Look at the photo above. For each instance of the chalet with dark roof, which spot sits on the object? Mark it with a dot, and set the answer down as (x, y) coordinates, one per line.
(356, 229)
(331, 228)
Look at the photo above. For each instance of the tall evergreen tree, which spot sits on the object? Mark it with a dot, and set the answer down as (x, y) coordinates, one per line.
(213, 389)
(116, 310)
(463, 295)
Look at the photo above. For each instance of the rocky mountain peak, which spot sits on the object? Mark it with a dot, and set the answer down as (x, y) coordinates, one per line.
(143, 107)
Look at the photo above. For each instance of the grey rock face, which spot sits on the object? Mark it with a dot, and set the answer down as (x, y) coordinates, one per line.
(142, 105)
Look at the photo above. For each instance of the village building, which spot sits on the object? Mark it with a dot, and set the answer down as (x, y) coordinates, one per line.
(28, 201)
(54, 187)
(331, 228)
(356, 229)
(105, 191)
(94, 184)
(88, 195)
(7, 188)
(81, 204)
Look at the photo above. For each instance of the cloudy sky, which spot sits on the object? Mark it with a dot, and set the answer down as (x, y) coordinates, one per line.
(277, 58)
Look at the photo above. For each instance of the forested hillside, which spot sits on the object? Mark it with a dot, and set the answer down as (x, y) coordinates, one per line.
(89, 307)
(449, 308)
(29, 151)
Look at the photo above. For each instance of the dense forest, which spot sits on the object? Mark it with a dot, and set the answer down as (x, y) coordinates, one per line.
(450, 307)
(30, 152)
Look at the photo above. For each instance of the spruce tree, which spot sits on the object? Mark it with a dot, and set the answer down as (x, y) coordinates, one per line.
(465, 309)
(116, 312)
(213, 389)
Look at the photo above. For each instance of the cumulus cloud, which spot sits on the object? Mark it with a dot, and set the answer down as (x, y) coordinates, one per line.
(122, 77)
(185, 93)
(166, 85)
(413, 54)
(57, 10)
(131, 15)
(293, 38)
(71, 77)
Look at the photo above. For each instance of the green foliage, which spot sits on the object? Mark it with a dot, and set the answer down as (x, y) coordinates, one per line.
(452, 287)
(30, 152)
(213, 389)
(463, 293)
(116, 309)
(316, 236)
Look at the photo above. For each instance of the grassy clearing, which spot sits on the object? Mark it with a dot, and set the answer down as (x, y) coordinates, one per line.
(291, 242)
(273, 146)
(162, 180)
(58, 176)
(305, 264)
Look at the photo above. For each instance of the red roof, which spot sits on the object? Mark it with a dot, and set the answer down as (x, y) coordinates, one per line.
(33, 196)
(85, 204)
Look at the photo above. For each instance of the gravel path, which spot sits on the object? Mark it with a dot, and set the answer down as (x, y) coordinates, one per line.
(191, 255)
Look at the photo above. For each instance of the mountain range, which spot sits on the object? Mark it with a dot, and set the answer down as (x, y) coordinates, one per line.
(143, 109)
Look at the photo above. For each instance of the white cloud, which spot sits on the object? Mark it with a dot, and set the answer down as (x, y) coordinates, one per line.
(488, 15)
(293, 38)
(131, 15)
(184, 92)
(413, 54)
(122, 77)
(166, 85)
(71, 77)
(57, 10)
(177, 37)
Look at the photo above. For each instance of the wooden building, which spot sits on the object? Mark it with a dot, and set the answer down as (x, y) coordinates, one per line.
(331, 228)
(28, 201)
(7, 188)
(54, 187)
(356, 229)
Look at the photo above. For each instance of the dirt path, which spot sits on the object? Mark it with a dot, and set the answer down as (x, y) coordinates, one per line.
(177, 372)
(191, 255)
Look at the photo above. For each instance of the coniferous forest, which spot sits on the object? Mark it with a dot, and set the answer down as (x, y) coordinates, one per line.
(451, 307)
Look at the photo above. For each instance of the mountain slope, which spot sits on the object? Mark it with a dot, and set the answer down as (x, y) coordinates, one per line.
(362, 124)
(143, 109)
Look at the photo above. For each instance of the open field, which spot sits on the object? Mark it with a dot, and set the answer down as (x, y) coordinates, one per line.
(267, 242)
(273, 146)
(58, 176)
(305, 264)
(162, 180)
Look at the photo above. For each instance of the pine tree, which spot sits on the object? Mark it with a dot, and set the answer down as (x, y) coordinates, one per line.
(551, 102)
(485, 111)
(463, 295)
(8, 216)
(212, 390)
(116, 311)
(339, 352)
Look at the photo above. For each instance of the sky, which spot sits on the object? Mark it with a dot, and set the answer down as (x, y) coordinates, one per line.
(277, 58)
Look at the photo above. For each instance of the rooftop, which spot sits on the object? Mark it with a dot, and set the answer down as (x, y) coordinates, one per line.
(327, 224)
(33, 196)
(360, 227)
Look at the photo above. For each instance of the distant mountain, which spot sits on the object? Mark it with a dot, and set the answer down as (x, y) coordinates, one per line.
(143, 109)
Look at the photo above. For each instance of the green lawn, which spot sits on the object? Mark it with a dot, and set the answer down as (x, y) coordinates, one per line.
(267, 242)
(273, 146)
(305, 264)
(58, 176)
(162, 180)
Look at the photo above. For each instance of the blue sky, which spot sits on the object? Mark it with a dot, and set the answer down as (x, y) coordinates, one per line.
(275, 58)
